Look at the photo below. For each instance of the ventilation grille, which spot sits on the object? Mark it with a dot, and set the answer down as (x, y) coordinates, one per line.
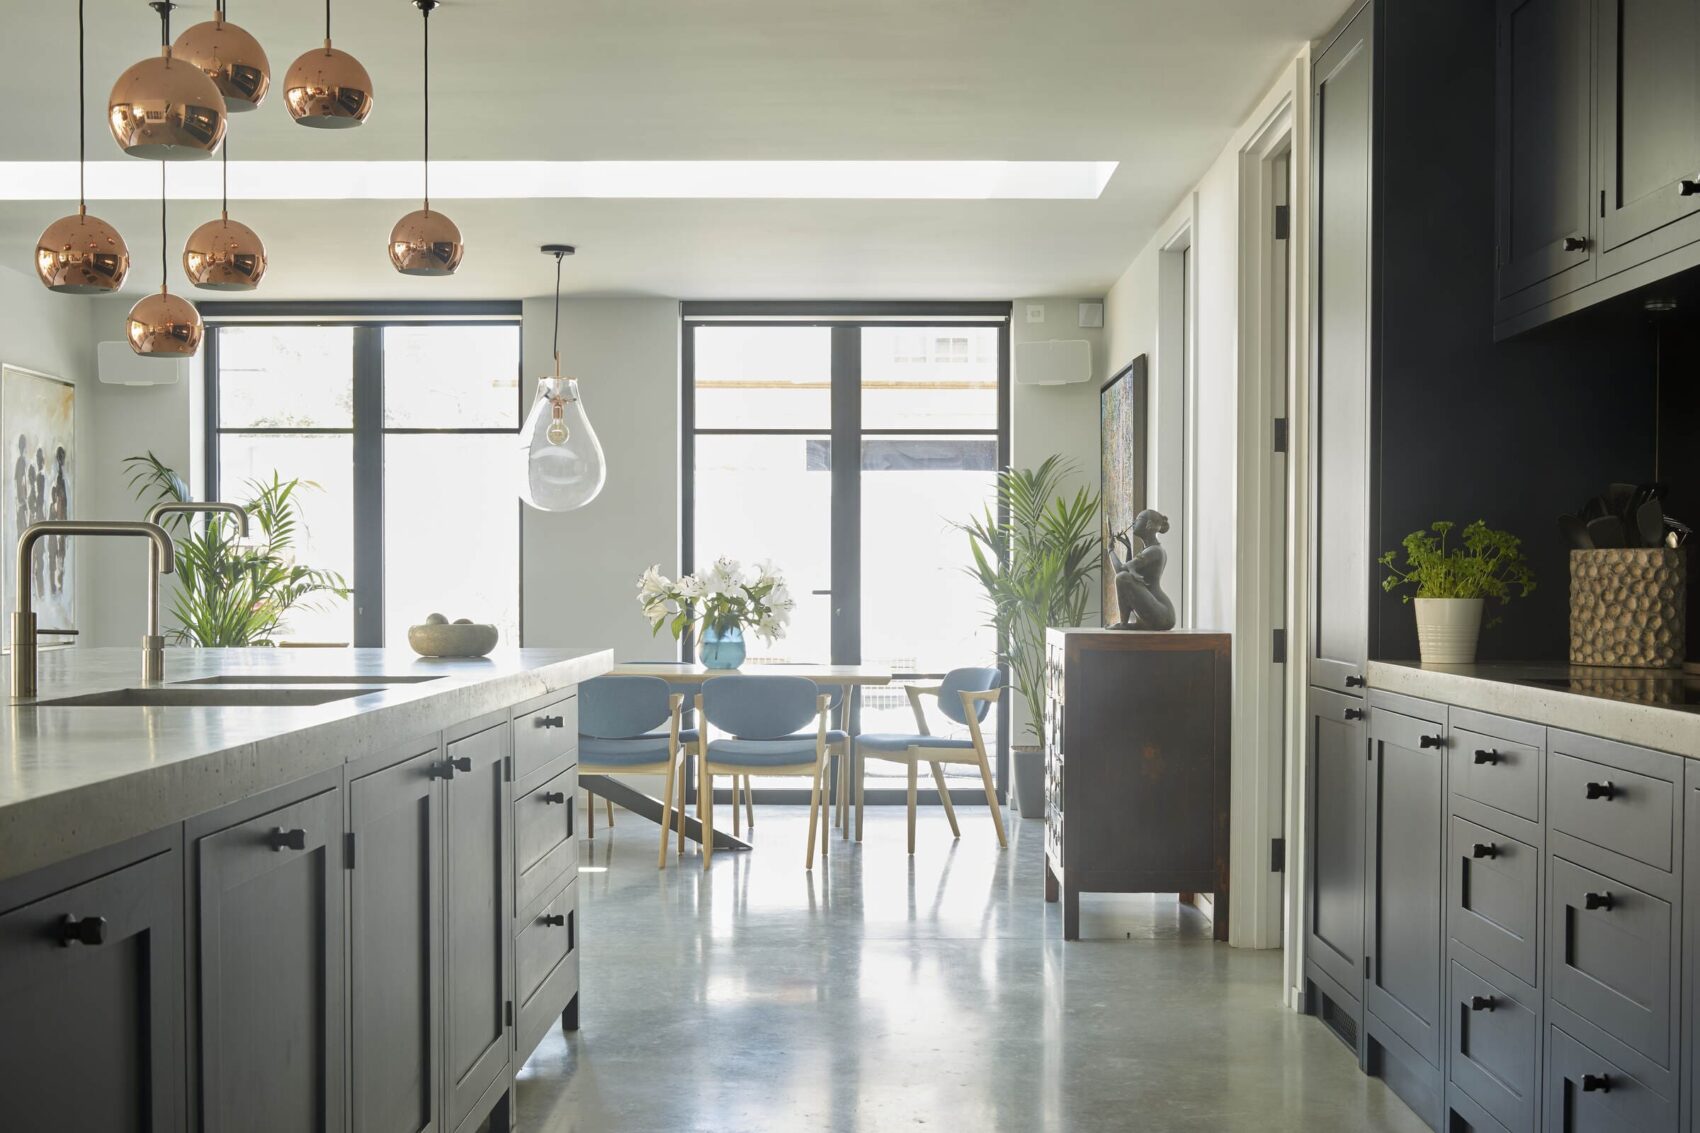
(1338, 1021)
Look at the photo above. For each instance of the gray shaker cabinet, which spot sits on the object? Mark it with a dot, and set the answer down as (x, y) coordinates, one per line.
(1338, 738)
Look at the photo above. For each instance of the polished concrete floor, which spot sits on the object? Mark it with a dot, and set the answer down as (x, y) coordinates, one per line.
(883, 993)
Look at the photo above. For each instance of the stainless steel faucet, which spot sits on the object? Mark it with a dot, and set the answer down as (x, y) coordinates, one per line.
(153, 648)
(163, 560)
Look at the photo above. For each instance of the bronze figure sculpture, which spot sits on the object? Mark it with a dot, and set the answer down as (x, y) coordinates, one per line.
(1139, 592)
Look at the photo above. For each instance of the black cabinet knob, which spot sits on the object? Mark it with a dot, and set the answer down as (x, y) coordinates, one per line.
(461, 763)
(1484, 850)
(1596, 1083)
(1483, 1003)
(554, 797)
(82, 930)
(1600, 790)
(1355, 681)
(1354, 713)
(1487, 755)
(443, 770)
(552, 920)
(551, 722)
(1686, 187)
(1431, 741)
(1597, 901)
(1575, 243)
(282, 839)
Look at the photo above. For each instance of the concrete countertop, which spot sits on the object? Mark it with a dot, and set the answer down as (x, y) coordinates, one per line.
(75, 778)
(1633, 706)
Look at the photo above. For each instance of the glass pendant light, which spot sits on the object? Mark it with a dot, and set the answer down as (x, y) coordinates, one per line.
(224, 254)
(164, 325)
(563, 464)
(81, 254)
(232, 59)
(425, 242)
(326, 88)
(166, 109)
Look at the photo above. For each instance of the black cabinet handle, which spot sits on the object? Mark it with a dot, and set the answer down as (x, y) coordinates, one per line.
(1355, 682)
(1484, 850)
(82, 930)
(461, 763)
(1354, 713)
(1686, 187)
(1575, 243)
(552, 920)
(1596, 1083)
(1487, 755)
(554, 797)
(1601, 901)
(1600, 790)
(1431, 741)
(443, 770)
(551, 722)
(282, 839)
(1483, 1003)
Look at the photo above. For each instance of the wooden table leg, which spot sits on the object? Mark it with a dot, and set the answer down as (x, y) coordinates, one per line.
(1051, 889)
(649, 807)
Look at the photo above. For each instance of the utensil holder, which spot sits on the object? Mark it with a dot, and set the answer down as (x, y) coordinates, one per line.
(1628, 607)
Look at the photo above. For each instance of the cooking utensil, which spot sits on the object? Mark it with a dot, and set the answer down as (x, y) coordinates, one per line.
(1575, 533)
(1650, 523)
(1606, 532)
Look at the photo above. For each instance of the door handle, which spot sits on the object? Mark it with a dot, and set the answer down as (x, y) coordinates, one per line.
(1355, 681)
(461, 763)
(282, 839)
(1431, 741)
(88, 931)
(1488, 755)
(1601, 901)
(1596, 1083)
(443, 770)
(1600, 790)
(551, 722)
(1575, 243)
(1483, 1003)
(552, 920)
(1687, 187)
(554, 797)
(1484, 850)
(1354, 714)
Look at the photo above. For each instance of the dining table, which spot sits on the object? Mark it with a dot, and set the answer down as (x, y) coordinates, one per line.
(687, 675)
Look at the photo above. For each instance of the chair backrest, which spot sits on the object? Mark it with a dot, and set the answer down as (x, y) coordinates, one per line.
(759, 708)
(618, 708)
(834, 693)
(959, 681)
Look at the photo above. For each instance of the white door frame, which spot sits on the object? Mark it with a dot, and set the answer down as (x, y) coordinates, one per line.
(1172, 468)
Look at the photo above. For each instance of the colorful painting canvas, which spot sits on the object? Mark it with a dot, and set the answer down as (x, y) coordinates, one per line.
(37, 421)
(1122, 416)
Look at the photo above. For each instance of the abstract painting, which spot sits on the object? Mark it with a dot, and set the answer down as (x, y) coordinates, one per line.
(1122, 416)
(37, 422)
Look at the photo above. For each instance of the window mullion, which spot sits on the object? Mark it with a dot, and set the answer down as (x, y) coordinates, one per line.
(368, 486)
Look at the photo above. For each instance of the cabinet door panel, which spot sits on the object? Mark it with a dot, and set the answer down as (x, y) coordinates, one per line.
(395, 949)
(1495, 897)
(479, 917)
(1612, 963)
(91, 1036)
(270, 987)
(1341, 359)
(1339, 748)
(1544, 147)
(1495, 1048)
(1587, 1094)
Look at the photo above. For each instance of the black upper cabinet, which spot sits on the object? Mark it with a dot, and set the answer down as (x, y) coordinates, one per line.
(1649, 123)
(1544, 153)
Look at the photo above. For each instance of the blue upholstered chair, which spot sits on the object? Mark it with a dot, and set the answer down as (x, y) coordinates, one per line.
(765, 721)
(630, 726)
(964, 696)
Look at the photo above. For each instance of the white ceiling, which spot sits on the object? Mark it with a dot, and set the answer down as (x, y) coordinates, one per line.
(1156, 85)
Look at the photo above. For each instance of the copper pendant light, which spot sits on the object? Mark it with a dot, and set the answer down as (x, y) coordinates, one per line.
(164, 325)
(166, 109)
(224, 254)
(81, 254)
(326, 88)
(232, 59)
(425, 242)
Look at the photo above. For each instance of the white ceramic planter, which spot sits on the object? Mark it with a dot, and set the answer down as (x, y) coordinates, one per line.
(1447, 629)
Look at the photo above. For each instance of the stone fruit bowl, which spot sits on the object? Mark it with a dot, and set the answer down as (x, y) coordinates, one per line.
(439, 637)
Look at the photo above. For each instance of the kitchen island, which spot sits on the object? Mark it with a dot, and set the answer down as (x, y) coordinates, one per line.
(286, 889)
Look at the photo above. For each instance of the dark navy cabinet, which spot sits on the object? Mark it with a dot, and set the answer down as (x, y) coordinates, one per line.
(1337, 774)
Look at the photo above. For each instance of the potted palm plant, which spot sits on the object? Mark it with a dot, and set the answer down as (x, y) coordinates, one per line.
(1037, 570)
(1451, 584)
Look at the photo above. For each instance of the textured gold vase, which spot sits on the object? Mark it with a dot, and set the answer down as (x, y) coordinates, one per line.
(1628, 607)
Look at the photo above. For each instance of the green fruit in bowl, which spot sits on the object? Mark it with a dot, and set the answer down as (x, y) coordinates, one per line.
(436, 620)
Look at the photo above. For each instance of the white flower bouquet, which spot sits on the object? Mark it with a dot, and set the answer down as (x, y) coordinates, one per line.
(724, 598)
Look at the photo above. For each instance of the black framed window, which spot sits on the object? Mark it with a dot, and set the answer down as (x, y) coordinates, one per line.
(774, 397)
(402, 421)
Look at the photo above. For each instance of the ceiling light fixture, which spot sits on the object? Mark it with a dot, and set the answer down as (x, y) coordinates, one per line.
(224, 254)
(562, 463)
(164, 325)
(232, 59)
(425, 242)
(81, 254)
(164, 108)
(326, 88)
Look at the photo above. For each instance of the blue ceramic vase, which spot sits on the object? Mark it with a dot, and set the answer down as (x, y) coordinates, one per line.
(722, 649)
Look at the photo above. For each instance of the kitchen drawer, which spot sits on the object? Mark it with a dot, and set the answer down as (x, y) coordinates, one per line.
(1614, 808)
(545, 963)
(545, 845)
(543, 733)
(1611, 964)
(1496, 771)
(1495, 1048)
(1587, 1094)
(1495, 897)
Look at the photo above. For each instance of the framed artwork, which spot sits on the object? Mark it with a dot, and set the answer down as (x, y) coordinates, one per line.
(1122, 443)
(37, 422)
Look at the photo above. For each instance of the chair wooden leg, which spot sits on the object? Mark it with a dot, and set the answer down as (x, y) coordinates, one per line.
(825, 825)
(666, 816)
(992, 800)
(814, 815)
(610, 803)
(737, 815)
(861, 770)
(749, 805)
(914, 774)
(589, 815)
(844, 788)
(944, 800)
(705, 801)
(680, 808)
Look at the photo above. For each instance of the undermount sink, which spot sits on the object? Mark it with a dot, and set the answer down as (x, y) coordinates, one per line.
(250, 697)
(308, 679)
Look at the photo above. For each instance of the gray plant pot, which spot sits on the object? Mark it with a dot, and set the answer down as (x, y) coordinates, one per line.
(1027, 766)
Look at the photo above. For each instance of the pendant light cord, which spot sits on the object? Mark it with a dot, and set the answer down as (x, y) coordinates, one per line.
(162, 237)
(426, 11)
(82, 112)
(327, 23)
(559, 256)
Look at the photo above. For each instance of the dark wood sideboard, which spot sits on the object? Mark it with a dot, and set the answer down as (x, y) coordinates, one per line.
(1136, 766)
